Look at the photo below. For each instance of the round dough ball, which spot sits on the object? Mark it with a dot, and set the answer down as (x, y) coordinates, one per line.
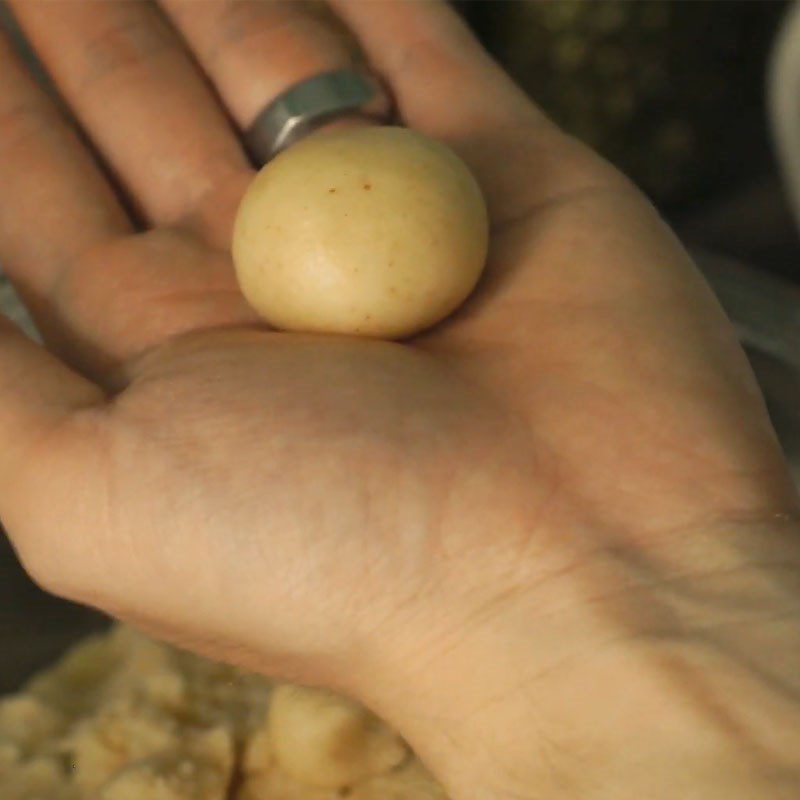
(374, 231)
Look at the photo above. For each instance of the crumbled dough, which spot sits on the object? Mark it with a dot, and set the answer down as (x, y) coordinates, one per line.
(26, 722)
(38, 778)
(122, 717)
(201, 768)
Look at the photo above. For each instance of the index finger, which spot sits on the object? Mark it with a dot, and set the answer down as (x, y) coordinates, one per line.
(55, 200)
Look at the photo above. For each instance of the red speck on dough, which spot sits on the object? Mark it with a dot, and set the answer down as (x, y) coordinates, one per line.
(332, 190)
(367, 186)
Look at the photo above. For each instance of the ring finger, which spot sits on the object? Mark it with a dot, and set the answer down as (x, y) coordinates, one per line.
(253, 50)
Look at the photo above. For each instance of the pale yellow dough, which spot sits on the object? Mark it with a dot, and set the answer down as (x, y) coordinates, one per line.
(122, 717)
(374, 231)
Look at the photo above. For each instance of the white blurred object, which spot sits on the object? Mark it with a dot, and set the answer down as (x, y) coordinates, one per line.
(783, 98)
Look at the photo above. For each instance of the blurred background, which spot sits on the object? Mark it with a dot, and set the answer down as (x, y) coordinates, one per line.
(676, 93)
(673, 92)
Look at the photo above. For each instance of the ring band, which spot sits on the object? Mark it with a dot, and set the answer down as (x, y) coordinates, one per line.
(308, 105)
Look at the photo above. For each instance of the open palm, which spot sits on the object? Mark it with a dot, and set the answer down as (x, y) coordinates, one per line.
(288, 501)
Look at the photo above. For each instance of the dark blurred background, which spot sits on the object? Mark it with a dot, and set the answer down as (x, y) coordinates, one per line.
(673, 92)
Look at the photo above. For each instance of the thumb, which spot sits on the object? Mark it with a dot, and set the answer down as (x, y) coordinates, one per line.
(39, 397)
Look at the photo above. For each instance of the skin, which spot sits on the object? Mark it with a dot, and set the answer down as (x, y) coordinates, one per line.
(553, 541)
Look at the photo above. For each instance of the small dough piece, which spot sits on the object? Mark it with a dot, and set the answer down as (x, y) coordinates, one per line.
(408, 782)
(202, 769)
(37, 779)
(324, 740)
(26, 722)
(277, 785)
(75, 686)
(373, 231)
(258, 757)
(118, 735)
(167, 779)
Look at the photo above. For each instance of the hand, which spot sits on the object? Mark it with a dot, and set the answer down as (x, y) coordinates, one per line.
(552, 540)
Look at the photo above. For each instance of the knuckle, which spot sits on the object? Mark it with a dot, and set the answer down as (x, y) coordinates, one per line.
(424, 55)
(239, 23)
(282, 31)
(122, 44)
(237, 20)
(22, 122)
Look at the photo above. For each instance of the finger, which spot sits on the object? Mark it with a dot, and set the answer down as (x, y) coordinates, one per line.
(127, 76)
(253, 50)
(448, 87)
(55, 201)
(51, 427)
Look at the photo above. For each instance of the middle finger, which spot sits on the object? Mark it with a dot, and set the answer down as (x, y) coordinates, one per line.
(255, 49)
(145, 104)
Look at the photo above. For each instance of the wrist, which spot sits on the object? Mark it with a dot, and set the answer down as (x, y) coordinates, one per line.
(551, 694)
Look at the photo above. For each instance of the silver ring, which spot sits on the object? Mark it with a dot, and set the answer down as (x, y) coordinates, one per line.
(308, 105)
